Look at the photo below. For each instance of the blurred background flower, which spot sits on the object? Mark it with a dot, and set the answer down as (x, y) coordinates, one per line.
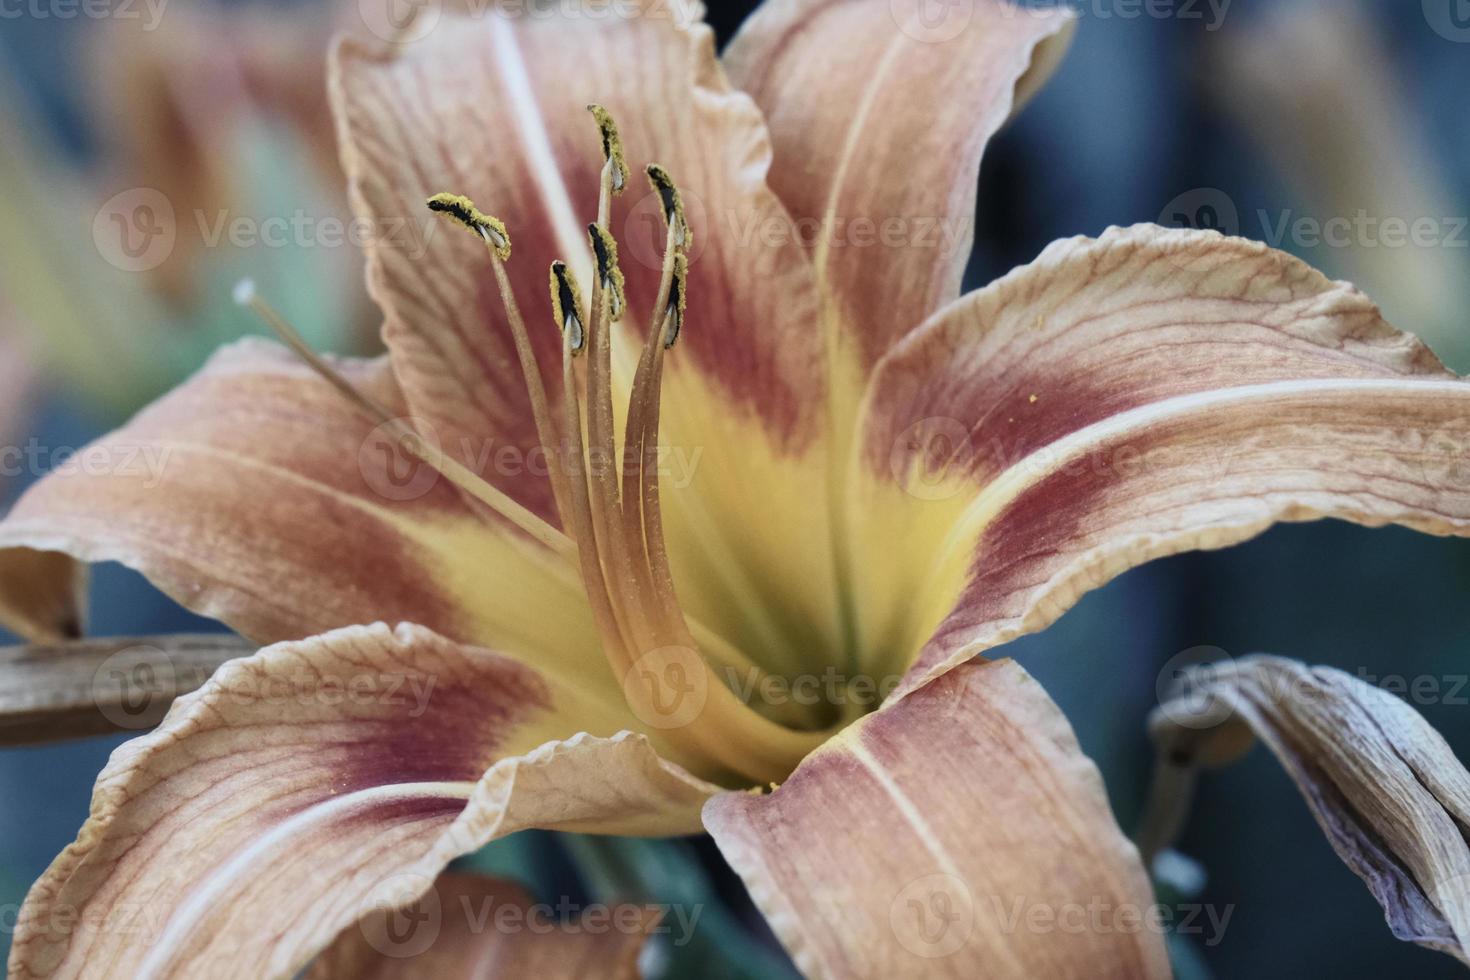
(183, 155)
(1319, 127)
(17, 386)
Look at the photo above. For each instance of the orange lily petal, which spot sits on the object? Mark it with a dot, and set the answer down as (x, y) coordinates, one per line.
(312, 783)
(880, 114)
(473, 926)
(925, 839)
(1128, 398)
(254, 441)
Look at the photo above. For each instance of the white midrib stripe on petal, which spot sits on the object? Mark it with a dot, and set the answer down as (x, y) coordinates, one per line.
(925, 835)
(186, 918)
(537, 144)
(1043, 462)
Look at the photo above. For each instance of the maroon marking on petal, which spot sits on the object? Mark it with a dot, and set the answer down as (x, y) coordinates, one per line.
(447, 725)
(1093, 329)
(406, 810)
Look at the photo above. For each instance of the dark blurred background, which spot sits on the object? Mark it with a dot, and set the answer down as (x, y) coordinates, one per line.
(1244, 115)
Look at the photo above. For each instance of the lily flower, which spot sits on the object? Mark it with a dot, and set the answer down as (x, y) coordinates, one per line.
(771, 446)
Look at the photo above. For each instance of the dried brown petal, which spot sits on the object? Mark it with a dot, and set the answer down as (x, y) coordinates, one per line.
(1384, 785)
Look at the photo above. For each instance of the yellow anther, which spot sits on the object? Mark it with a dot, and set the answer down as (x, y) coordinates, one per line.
(673, 205)
(605, 250)
(463, 210)
(612, 146)
(566, 306)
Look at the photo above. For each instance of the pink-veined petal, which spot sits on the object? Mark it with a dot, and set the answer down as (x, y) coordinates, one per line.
(312, 783)
(493, 106)
(1128, 398)
(256, 495)
(880, 111)
(931, 838)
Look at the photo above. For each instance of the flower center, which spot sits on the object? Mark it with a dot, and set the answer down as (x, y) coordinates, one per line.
(612, 521)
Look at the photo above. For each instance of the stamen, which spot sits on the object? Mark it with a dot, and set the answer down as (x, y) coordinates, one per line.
(409, 440)
(463, 210)
(495, 235)
(617, 526)
(634, 436)
(728, 731)
(566, 306)
(612, 146)
(673, 205)
(609, 276)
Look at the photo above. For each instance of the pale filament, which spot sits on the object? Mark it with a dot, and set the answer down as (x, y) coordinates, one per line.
(408, 440)
(545, 431)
